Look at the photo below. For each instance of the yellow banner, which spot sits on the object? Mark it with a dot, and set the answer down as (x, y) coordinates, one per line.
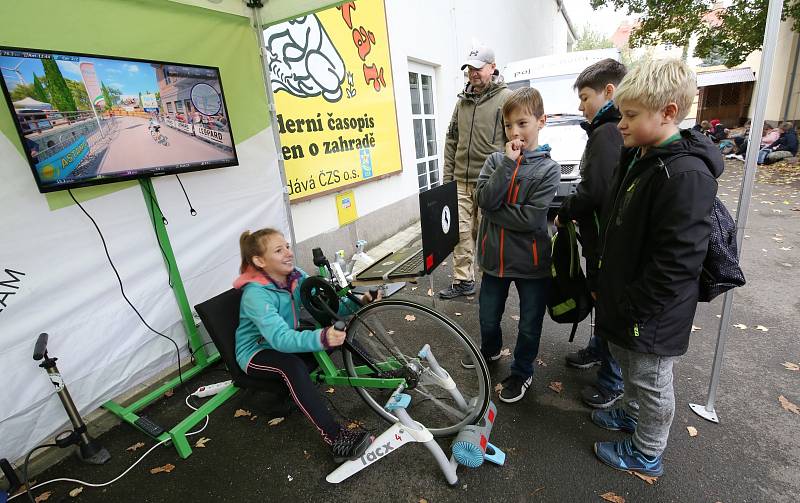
(332, 80)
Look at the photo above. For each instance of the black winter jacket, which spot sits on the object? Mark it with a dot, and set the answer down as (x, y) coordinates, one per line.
(654, 244)
(600, 158)
(787, 142)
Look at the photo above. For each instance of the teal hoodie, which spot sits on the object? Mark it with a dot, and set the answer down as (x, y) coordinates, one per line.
(269, 317)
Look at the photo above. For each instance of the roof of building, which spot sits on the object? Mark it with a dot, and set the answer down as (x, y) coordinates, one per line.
(728, 76)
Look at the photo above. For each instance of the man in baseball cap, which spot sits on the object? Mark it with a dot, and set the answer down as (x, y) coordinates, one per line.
(475, 131)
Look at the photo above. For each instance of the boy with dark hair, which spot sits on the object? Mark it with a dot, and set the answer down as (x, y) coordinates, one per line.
(596, 86)
(654, 243)
(514, 191)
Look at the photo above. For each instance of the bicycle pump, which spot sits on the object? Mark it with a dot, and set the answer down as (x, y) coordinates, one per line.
(89, 451)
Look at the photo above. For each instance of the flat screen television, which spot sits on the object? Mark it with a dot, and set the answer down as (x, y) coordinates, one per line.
(88, 119)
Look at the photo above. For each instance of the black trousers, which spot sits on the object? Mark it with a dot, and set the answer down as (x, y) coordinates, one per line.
(294, 368)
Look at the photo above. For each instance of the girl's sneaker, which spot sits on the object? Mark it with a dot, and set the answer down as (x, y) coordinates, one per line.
(350, 444)
(623, 455)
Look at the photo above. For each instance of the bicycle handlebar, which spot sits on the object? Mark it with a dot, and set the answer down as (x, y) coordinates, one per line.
(41, 347)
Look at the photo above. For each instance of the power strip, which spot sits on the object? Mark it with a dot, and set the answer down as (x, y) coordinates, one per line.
(211, 389)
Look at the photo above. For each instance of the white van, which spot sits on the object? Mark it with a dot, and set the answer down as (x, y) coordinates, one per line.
(554, 76)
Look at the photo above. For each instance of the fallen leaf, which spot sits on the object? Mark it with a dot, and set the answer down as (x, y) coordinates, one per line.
(791, 366)
(515, 317)
(784, 264)
(470, 298)
(458, 314)
(505, 352)
(430, 292)
(423, 500)
(201, 442)
(242, 412)
(740, 326)
(330, 391)
(166, 468)
(135, 446)
(290, 478)
(75, 492)
(275, 421)
(779, 240)
(306, 454)
(540, 362)
(44, 496)
(695, 328)
(692, 431)
(498, 387)
(536, 490)
(410, 317)
(352, 425)
(718, 315)
(169, 393)
(762, 328)
(785, 248)
(650, 480)
(556, 386)
(413, 288)
(613, 498)
(253, 418)
(786, 404)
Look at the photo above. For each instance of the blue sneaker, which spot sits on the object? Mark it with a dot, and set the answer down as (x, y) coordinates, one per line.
(625, 456)
(614, 420)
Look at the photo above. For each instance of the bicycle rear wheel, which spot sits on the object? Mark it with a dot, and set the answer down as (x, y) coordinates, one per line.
(393, 333)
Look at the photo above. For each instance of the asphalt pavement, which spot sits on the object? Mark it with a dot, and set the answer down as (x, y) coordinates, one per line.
(752, 455)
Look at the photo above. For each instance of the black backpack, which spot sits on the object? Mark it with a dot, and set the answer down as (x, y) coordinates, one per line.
(721, 270)
(569, 300)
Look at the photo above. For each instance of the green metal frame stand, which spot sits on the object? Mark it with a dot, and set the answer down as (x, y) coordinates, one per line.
(202, 359)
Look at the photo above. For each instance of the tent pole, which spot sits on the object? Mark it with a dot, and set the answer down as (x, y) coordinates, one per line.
(708, 410)
(257, 26)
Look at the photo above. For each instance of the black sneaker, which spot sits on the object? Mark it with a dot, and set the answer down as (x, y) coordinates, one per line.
(457, 290)
(598, 398)
(514, 388)
(489, 361)
(350, 444)
(582, 359)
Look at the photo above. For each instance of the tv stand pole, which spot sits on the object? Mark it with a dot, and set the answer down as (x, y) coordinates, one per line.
(176, 434)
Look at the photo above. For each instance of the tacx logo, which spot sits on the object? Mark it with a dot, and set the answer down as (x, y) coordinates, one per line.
(376, 453)
(473, 53)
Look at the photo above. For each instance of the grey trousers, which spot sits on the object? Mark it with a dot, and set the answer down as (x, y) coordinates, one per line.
(648, 383)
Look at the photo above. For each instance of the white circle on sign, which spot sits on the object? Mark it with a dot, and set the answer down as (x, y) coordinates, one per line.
(446, 219)
(205, 99)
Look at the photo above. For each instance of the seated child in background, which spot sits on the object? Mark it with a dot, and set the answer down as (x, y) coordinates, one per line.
(268, 342)
(514, 191)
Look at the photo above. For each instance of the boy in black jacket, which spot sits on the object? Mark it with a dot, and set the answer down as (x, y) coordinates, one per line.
(596, 86)
(654, 243)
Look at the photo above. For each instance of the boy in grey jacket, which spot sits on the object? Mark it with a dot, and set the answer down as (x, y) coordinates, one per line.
(514, 192)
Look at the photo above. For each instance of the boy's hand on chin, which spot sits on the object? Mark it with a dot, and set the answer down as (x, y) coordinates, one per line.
(514, 149)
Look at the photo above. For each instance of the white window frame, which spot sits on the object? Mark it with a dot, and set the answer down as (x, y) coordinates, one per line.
(430, 71)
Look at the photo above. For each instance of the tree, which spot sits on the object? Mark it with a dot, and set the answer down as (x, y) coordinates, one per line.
(38, 90)
(106, 96)
(732, 33)
(22, 91)
(79, 94)
(590, 39)
(116, 95)
(60, 96)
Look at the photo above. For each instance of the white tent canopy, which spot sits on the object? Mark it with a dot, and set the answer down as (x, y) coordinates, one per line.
(32, 104)
(274, 11)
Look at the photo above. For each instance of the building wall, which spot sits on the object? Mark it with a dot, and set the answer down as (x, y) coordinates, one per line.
(782, 69)
(438, 34)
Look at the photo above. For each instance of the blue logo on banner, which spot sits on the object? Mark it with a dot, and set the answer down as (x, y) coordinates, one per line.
(366, 162)
(61, 164)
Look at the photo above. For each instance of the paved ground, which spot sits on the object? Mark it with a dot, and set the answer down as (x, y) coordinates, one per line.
(753, 455)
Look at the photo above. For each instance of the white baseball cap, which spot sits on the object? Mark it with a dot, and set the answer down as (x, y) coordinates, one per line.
(478, 57)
